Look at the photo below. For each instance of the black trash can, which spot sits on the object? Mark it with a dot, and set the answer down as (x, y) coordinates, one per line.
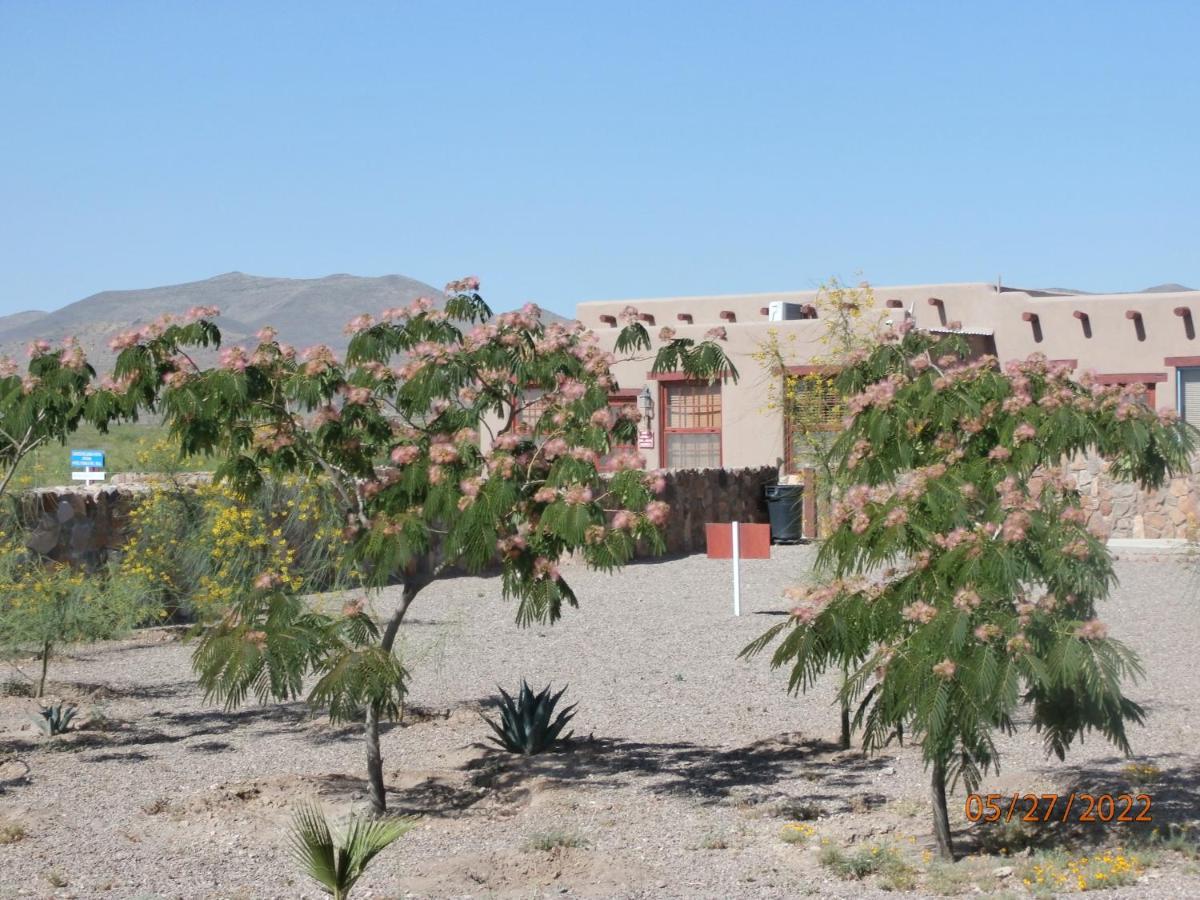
(785, 508)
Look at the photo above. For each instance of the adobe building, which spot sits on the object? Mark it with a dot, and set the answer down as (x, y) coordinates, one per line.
(1148, 338)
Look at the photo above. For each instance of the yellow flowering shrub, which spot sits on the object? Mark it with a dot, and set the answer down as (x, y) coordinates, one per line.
(198, 548)
(812, 407)
(44, 605)
(1101, 870)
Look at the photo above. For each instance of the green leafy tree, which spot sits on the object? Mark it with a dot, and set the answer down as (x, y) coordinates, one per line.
(45, 605)
(813, 407)
(449, 438)
(48, 400)
(963, 582)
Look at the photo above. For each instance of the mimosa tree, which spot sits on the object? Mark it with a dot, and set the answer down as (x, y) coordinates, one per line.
(47, 401)
(450, 438)
(963, 581)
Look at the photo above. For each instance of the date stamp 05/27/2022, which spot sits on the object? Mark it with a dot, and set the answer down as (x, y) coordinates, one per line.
(1074, 807)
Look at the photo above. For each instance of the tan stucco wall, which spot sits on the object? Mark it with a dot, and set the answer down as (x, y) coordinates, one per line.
(753, 436)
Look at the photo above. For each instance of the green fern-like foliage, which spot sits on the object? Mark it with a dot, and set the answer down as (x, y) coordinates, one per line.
(961, 580)
(527, 724)
(336, 861)
(445, 439)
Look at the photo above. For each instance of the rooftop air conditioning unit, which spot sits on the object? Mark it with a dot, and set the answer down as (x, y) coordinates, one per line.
(778, 311)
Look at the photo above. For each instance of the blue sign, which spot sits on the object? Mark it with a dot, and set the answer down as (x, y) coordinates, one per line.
(87, 459)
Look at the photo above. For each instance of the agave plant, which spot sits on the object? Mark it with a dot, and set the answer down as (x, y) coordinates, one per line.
(56, 718)
(337, 860)
(525, 725)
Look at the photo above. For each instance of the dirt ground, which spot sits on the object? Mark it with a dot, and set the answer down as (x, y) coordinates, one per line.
(687, 775)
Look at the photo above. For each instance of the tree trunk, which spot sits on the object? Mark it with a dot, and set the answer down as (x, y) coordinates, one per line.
(375, 763)
(41, 688)
(845, 705)
(375, 785)
(941, 817)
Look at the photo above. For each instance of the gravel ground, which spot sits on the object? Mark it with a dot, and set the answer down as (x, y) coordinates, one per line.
(689, 762)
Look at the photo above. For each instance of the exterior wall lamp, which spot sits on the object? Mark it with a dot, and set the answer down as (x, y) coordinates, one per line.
(645, 405)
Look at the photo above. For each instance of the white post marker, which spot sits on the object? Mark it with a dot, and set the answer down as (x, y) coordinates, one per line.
(737, 575)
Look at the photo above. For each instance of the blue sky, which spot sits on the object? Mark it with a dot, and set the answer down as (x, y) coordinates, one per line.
(570, 151)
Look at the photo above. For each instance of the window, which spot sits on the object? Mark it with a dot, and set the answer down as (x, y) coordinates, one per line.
(691, 425)
(1147, 380)
(812, 414)
(1189, 394)
(533, 406)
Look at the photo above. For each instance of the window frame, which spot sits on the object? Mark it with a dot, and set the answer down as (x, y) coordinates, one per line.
(618, 399)
(1148, 379)
(1179, 371)
(789, 457)
(664, 386)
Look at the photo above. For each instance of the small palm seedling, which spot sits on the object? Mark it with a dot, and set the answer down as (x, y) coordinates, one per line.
(56, 718)
(525, 723)
(337, 861)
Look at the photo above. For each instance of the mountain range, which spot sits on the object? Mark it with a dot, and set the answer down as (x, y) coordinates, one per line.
(304, 311)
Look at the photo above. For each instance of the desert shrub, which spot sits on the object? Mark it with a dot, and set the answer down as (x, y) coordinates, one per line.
(55, 719)
(527, 724)
(874, 859)
(1053, 872)
(45, 605)
(196, 549)
(551, 840)
(797, 832)
(337, 860)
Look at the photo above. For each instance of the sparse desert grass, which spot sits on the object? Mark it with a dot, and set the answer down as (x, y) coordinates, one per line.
(11, 832)
(57, 878)
(715, 842)
(16, 687)
(1179, 839)
(797, 833)
(970, 875)
(883, 860)
(156, 806)
(555, 838)
(1003, 838)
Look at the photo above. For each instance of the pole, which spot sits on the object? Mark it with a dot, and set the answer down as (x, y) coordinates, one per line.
(737, 575)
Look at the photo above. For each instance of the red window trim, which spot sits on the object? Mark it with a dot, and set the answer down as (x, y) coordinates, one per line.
(680, 376)
(1149, 379)
(1131, 378)
(1182, 361)
(621, 397)
(813, 370)
(662, 423)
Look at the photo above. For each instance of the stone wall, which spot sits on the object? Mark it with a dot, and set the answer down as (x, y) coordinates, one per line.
(76, 525)
(713, 495)
(1122, 510)
(83, 525)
